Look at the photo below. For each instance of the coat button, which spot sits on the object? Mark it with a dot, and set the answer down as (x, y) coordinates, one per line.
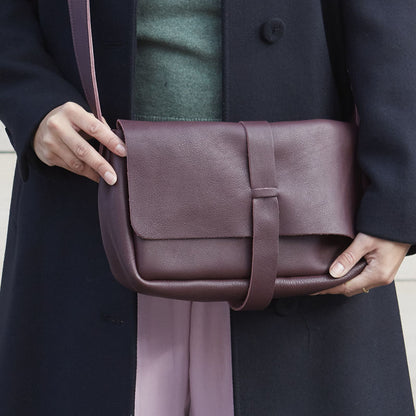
(285, 306)
(272, 30)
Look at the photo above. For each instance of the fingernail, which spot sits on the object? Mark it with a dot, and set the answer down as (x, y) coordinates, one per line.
(337, 270)
(121, 150)
(110, 178)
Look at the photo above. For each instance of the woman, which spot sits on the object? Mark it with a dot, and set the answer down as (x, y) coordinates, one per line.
(68, 330)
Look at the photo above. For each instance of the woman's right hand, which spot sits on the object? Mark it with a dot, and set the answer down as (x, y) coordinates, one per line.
(58, 142)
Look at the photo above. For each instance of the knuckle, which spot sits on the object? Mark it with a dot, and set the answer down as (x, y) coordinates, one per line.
(348, 258)
(76, 165)
(48, 157)
(70, 108)
(367, 243)
(52, 122)
(93, 127)
(347, 290)
(81, 150)
(48, 140)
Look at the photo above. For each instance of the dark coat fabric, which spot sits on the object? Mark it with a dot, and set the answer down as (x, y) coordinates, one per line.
(68, 329)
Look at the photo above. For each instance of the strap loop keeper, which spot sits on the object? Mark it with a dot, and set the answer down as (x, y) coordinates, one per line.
(265, 212)
(264, 192)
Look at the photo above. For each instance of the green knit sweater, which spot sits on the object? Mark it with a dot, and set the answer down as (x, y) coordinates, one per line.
(178, 60)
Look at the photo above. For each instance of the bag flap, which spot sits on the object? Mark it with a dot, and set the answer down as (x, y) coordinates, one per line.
(191, 179)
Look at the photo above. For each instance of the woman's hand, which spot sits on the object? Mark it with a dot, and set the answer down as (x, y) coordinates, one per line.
(58, 142)
(383, 261)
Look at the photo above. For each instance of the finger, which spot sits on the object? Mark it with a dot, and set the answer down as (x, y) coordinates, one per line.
(63, 152)
(88, 172)
(88, 123)
(369, 278)
(361, 245)
(87, 154)
(72, 163)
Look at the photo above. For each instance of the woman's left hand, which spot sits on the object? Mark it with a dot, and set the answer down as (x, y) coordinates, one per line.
(383, 261)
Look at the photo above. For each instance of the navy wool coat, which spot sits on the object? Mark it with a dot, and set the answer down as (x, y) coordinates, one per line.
(68, 329)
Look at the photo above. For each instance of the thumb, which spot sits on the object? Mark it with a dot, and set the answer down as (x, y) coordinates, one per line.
(360, 246)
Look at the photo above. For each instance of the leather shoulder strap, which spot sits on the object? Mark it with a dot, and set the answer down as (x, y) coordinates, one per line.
(80, 18)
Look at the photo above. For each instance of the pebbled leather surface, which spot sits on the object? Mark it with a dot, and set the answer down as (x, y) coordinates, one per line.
(197, 173)
(219, 268)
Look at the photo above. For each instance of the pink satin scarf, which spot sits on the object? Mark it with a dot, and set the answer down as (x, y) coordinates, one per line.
(183, 358)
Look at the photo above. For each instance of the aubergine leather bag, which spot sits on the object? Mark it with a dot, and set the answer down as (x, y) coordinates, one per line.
(217, 211)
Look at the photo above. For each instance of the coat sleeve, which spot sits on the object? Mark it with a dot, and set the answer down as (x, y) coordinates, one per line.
(380, 37)
(31, 85)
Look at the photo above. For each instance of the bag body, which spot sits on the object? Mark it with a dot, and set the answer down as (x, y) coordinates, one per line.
(189, 215)
(212, 211)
